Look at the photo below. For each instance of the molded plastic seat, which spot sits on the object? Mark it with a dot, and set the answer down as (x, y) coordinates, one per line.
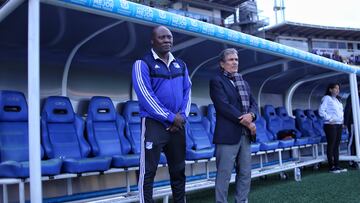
(211, 115)
(274, 125)
(318, 125)
(106, 133)
(198, 144)
(305, 126)
(288, 123)
(14, 139)
(255, 147)
(63, 137)
(131, 114)
(263, 136)
(321, 121)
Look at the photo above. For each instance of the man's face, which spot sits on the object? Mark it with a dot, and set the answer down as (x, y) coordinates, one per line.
(231, 63)
(162, 40)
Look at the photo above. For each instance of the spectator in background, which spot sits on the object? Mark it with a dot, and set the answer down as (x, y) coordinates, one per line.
(352, 59)
(332, 111)
(357, 60)
(336, 56)
(348, 122)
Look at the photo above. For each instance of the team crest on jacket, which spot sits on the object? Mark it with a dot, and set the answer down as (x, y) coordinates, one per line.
(148, 145)
(176, 65)
(156, 66)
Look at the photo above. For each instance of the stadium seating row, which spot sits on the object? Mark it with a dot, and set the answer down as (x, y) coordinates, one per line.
(109, 140)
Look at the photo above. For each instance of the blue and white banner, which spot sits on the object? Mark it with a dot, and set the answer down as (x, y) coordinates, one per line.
(144, 14)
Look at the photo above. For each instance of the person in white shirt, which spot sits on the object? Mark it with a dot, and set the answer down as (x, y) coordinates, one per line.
(332, 111)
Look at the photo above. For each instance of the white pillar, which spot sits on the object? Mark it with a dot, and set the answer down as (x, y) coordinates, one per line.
(34, 100)
(355, 110)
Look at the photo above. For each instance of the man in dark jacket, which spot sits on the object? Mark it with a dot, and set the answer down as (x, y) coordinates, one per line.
(235, 112)
(348, 122)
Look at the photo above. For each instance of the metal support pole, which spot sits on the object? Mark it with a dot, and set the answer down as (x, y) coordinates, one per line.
(295, 152)
(5, 194)
(74, 51)
(69, 186)
(22, 192)
(9, 7)
(127, 182)
(34, 100)
(280, 158)
(356, 111)
(207, 170)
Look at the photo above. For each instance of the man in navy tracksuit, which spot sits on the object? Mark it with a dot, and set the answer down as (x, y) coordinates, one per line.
(162, 85)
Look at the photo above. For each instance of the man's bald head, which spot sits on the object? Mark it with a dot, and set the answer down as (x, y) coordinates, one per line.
(158, 29)
(161, 40)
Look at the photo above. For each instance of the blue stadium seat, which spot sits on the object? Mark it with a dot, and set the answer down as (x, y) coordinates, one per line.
(274, 125)
(255, 147)
(105, 130)
(63, 137)
(131, 114)
(211, 115)
(14, 137)
(263, 136)
(318, 125)
(288, 123)
(321, 119)
(305, 126)
(198, 144)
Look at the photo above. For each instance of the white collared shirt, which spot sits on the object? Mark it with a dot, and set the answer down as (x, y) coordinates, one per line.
(332, 110)
(171, 57)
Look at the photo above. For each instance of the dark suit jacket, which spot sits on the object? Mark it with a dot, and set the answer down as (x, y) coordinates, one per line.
(228, 106)
(348, 115)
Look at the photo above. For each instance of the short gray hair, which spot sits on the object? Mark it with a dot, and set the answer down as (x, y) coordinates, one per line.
(227, 52)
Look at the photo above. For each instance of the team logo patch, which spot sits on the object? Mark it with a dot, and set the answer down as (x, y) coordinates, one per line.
(156, 66)
(176, 65)
(148, 145)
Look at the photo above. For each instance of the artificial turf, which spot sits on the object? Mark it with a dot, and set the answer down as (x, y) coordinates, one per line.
(316, 186)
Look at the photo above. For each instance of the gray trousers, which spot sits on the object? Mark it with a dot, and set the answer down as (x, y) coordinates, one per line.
(226, 157)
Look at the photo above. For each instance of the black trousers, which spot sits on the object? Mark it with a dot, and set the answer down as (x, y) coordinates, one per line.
(154, 139)
(333, 137)
(352, 147)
